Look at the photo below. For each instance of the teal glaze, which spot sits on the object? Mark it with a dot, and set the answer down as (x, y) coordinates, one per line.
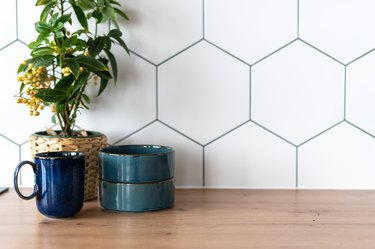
(136, 163)
(136, 197)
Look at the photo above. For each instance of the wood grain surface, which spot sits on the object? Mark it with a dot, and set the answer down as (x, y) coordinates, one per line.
(203, 219)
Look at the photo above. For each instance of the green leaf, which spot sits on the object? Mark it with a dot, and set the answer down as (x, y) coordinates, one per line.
(73, 65)
(108, 42)
(65, 83)
(121, 13)
(113, 2)
(58, 26)
(80, 15)
(59, 59)
(86, 98)
(22, 67)
(103, 75)
(86, 4)
(43, 60)
(59, 34)
(103, 86)
(53, 119)
(59, 41)
(43, 28)
(63, 19)
(115, 33)
(97, 15)
(53, 19)
(122, 44)
(46, 11)
(44, 2)
(113, 62)
(22, 86)
(33, 45)
(52, 95)
(91, 64)
(83, 77)
(97, 46)
(43, 51)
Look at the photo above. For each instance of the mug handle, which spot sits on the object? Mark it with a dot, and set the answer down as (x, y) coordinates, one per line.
(15, 180)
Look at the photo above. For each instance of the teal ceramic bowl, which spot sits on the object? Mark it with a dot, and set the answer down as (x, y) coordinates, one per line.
(136, 197)
(136, 163)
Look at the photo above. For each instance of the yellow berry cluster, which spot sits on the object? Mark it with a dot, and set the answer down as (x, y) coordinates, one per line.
(34, 78)
(66, 71)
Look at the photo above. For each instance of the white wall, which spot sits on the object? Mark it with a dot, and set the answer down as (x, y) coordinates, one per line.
(250, 93)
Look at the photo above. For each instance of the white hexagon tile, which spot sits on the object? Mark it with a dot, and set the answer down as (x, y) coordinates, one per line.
(203, 92)
(8, 161)
(8, 18)
(160, 28)
(28, 15)
(250, 157)
(188, 157)
(297, 92)
(342, 158)
(125, 106)
(249, 93)
(27, 174)
(252, 29)
(16, 123)
(342, 29)
(360, 88)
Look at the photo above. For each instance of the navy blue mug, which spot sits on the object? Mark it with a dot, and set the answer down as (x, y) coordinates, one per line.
(59, 182)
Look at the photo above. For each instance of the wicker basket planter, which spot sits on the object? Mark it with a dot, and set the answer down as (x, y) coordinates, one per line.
(90, 146)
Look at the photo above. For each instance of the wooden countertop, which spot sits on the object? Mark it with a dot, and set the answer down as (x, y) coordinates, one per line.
(203, 219)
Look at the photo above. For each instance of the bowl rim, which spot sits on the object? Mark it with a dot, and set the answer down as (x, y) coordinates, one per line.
(171, 150)
(104, 181)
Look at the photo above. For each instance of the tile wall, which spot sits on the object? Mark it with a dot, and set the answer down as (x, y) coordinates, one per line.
(250, 93)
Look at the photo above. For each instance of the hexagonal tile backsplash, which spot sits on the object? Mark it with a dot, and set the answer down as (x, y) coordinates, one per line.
(251, 94)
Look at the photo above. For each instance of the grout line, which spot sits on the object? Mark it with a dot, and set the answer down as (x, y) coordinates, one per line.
(277, 135)
(360, 57)
(157, 91)
(10, 140)
(297, 167)
(223, 50)
(345, 92)
(226, 133)
(298, 17)
(272, 53)
(179, 132)
(17, 19)
(320, 133)
(22, 42)
(359, 128)
(203, 166)
(134, 132)
(317, 49)
(8, 45)
(143, 58)
(250, 91)
(203, 19)
(19, 160)
(180, 52)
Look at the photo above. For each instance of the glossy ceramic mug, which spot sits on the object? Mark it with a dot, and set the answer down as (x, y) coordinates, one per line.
(59, 182)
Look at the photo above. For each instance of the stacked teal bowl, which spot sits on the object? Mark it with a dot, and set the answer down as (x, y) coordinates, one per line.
(136, 178)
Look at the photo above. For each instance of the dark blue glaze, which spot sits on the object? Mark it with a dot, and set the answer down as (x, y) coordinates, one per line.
(59, 183)
(136, 197)
(136, 163)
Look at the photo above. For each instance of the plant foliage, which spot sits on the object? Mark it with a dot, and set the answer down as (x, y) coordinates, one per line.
(67, 54)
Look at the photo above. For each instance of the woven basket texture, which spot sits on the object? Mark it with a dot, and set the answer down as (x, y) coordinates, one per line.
(89, 145)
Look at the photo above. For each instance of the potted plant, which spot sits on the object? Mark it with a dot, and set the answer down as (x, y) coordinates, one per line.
(67, 55)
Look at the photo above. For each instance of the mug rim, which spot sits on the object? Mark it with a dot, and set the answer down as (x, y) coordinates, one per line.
(107, 150)
(59, 155)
